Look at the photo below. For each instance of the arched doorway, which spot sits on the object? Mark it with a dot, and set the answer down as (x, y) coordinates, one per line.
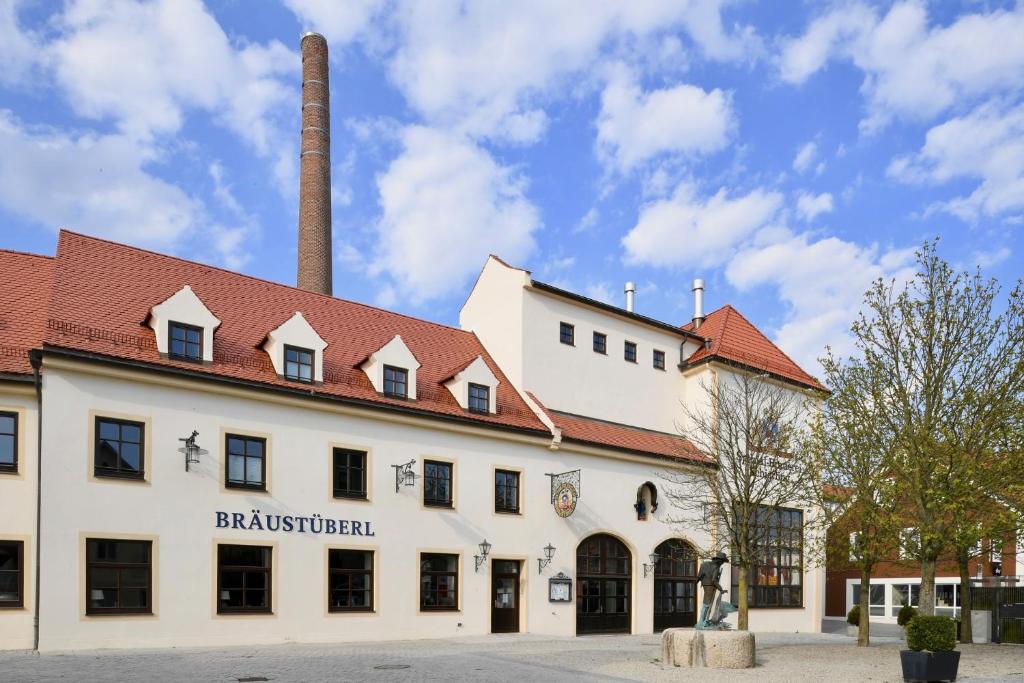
(675, 585)
(603, 591)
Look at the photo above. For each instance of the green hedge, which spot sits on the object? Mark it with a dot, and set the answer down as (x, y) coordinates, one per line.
(935, 634)
(906, 614)
(853, 616)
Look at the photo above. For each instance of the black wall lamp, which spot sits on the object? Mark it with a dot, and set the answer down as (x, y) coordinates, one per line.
(485, 550)
(654, 557)
(404, 475)
(191, 449)
(549, 552)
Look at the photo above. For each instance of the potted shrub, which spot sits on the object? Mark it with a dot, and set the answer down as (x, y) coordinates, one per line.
(905, 614)
(931, 655)
(853, 619)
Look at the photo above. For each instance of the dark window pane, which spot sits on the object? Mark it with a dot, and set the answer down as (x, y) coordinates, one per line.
(185, 341)
(396, 382)
(567, 334)
(600, 342)
(243, 578)
(630, 352)
(298, 364)
(437, 483)
(6, 449)
(479, 398)
(245, 462)
(118, 448)
(118, 576)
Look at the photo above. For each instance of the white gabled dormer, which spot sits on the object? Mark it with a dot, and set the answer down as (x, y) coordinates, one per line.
(185, 310)
(399, 363)
(473, 385)
(296, 350)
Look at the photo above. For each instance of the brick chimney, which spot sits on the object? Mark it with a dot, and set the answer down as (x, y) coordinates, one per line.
(314, 271)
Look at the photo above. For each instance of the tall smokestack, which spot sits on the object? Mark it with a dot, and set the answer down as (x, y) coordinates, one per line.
(314, 271)
(698, 303)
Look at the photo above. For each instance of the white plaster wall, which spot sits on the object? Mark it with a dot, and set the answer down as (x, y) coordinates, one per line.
(18, 510)
(494, 312)
(178, 508)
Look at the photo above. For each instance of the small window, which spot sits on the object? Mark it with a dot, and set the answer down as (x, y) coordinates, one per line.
(630, 351)
(437, 483)
(12, 574)
(349, 473)
(439, 582)
(350, 580)
(247, 462)
(479, 398)
(659, 360)
(118, 576)
(243, 579)
(567, 334)
(396, 382)
(119, 448)
(8, 442)
(298, 364)
(506, 491)
(184, 341)
(600, 343)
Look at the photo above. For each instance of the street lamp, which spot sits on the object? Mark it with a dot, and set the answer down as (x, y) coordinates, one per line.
(191, 449)
(654, 557)
(549, 552)
(485, 550)
(404, 475)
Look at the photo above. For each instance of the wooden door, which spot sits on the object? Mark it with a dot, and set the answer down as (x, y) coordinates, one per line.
(505, 596)
(603, 585)
(675, 585)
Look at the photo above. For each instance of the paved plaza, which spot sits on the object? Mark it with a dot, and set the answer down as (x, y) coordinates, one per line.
(514, 658)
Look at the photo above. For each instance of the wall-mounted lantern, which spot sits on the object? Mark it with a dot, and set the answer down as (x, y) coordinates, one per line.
(549, 552)
(191, 449)
(485, 550)
(404, 475)
(654, 557)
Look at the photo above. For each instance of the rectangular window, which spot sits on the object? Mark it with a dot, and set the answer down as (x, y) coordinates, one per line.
(567, 334)
(630, 352)
(298, 364)
(659, 360)
(8, 442)
(119, 448)
(776, 577)
(184, 341)
(12, 574)
(600, 342)
(506, 491)
(437, 483)
(439, 582)
(902, 594)
(247, 462)
(479, 398)
(396, 382)
(349, 473)
(118, 576)
(350, 580)
(243, 579)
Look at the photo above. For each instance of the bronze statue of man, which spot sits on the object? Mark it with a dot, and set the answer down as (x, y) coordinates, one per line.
(709, 576)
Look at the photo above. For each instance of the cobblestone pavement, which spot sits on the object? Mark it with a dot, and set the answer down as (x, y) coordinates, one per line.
(514, 658)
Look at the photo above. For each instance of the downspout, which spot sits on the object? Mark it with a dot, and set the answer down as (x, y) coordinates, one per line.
(35, 357)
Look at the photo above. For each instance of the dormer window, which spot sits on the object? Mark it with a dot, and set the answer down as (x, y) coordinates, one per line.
(298, 364)
(184, 342)
(396, 382)
(479, 398)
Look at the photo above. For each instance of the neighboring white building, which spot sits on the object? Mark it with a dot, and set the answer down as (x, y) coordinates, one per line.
(345, 463)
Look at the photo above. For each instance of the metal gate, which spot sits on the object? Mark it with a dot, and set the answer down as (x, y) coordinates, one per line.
(1007, 606)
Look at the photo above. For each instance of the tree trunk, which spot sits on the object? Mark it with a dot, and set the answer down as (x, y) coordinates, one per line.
(966, 636)
(926, 601)
(864, 627)
(741, 605)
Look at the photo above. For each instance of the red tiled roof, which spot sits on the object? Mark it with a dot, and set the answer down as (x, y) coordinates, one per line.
(623, 437)
(103, 291)
(27, 279)
(735, 338)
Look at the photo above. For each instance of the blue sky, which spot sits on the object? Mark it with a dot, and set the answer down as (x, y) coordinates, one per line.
(788, 153)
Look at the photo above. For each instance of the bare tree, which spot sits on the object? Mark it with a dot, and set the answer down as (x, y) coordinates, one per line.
(749, 425)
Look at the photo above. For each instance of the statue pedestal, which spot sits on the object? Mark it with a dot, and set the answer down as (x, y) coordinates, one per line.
(712, 649)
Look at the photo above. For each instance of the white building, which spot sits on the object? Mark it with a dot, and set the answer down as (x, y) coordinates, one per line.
(348, 462)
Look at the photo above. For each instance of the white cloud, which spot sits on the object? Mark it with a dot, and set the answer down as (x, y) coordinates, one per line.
(339, 22)
(689, 229)
(635, 126)
(18, 53)
(986, 259)
(588, 221)
(811, 206)
(913, 69)
(805, 156)
(601, 291)
(446, 205)
(986, 144)
(821, 283)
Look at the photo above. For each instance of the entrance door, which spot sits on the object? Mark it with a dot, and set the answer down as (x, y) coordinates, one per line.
(603, 577)
(504, 596)
(675, 585)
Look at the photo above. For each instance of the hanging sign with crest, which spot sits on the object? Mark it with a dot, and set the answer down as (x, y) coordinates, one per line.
(565, 491)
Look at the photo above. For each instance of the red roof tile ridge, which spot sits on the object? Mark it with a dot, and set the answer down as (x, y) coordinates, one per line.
(258, 279)
(776, 346)
(16, 252)
(612, 423)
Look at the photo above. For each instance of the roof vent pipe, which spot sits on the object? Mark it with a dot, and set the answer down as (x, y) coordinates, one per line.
(698, 303)
(630, 296)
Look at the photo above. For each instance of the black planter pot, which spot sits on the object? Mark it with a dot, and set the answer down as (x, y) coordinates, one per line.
(929, 666)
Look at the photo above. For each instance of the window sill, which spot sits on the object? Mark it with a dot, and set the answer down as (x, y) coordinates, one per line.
(356, 496)
(119, 613)
(119, 477)
(440, 610)
(242, 487)
(11, 607)
(334, 610)
(186, 359)
(245, 613)
(439, 506)
(9, 470)
(515, 513)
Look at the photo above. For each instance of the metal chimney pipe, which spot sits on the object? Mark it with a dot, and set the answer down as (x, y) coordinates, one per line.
(698, 303)
(630, 296)
(314, 268)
